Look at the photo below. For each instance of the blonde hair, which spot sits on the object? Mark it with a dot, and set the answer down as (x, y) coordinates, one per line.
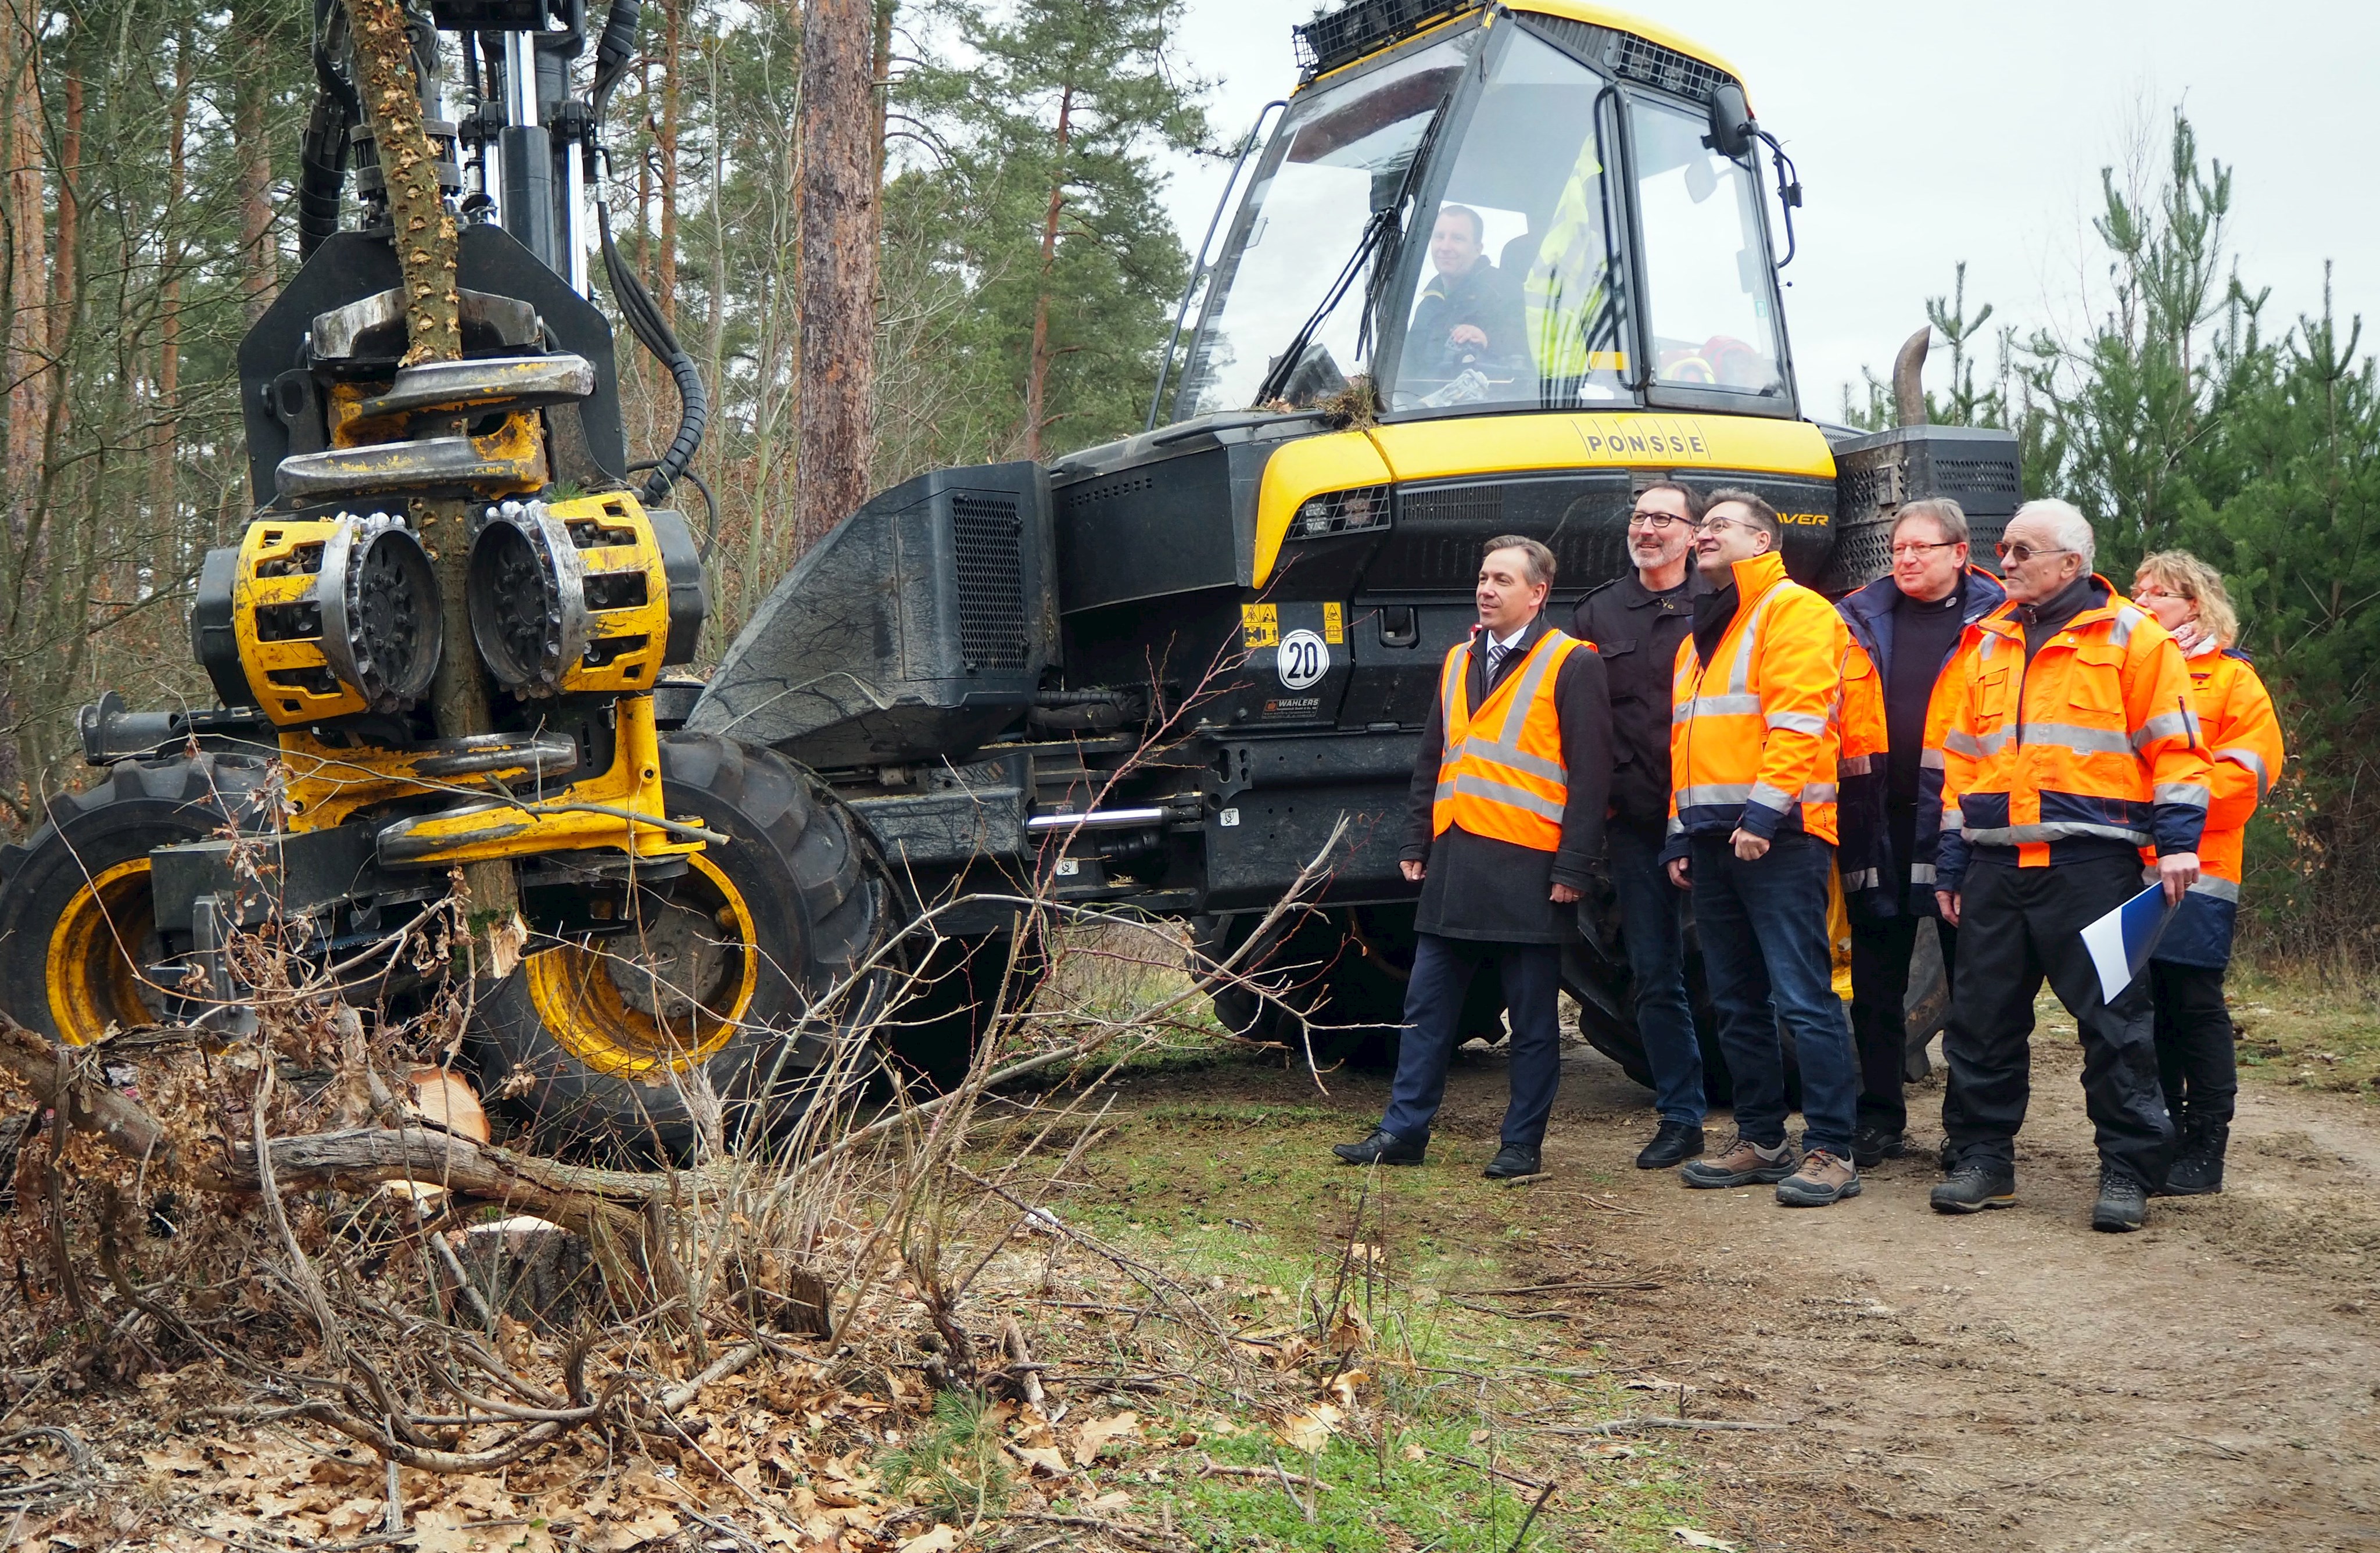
(2184, 573)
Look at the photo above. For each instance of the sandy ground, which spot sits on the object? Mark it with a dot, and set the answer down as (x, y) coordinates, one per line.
(2011, 1380)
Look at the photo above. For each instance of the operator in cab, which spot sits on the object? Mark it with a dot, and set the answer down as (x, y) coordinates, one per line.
(1470, 312)
(1508, 803)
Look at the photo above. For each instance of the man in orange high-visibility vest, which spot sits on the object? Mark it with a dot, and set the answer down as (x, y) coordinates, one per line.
(2070, 741)
(1754, 738)
(1509, 794)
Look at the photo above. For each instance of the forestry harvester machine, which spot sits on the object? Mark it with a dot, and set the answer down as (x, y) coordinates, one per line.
(1156, 676)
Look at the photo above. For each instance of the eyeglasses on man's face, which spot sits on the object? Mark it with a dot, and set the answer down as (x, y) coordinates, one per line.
(1915, 549)
(2020, 552)
(1713, 525)
(1659, 523)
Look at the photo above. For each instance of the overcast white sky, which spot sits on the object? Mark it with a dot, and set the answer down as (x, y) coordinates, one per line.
(1928, 133)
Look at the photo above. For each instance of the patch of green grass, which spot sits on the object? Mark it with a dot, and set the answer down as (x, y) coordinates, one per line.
(2308, 1030)
(1242, 1199)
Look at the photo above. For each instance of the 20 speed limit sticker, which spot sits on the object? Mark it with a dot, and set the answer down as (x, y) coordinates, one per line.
(1302, 659)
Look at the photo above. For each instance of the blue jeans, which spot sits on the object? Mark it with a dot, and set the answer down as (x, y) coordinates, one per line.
(1763, 926)
(1442, 969)
(1653, 921)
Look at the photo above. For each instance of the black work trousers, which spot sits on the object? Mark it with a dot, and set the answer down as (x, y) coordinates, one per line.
(1881, 951)
(2196, 1062)
(2016, 926)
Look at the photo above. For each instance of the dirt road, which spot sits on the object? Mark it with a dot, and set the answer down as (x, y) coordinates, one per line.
(2011, 1380)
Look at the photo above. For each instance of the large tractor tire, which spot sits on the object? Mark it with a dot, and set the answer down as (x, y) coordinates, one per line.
(78, 921)
(1335, 980)
(955, 992)
(593, 1038)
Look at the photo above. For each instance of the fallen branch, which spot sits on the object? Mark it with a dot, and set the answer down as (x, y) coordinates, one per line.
(1630, 1425)
(1630, 1287)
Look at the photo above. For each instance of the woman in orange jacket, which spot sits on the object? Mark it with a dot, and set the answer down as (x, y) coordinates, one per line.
(2243, 739)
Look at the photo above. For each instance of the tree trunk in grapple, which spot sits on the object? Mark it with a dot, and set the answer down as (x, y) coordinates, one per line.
(426, 244)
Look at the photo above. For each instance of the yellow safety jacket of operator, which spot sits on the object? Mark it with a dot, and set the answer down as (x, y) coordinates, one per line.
(1501, 774)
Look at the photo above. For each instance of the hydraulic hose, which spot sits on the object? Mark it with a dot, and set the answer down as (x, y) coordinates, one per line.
(652, 331)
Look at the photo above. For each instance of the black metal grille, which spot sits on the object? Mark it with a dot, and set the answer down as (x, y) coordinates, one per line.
(1341, 512)
(1863, 553)
(1998, 476)
(1481, 504)
(1328, 41)
(1643, 60)
(988, 534)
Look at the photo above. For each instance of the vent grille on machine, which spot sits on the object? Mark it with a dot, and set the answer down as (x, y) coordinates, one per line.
(988, 534)
(1328, 41)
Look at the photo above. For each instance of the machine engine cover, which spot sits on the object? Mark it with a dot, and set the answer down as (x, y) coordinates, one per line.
(917, 630)
(1877, 474)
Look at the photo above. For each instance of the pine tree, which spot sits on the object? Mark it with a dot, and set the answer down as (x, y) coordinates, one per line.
(1046, 200)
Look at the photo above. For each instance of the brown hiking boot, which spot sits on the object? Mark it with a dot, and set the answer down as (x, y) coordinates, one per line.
(1823, 1179)
(1742, 1163)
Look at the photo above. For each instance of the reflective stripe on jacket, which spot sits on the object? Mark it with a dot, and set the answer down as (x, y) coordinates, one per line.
(1869, 614)
(1752, 734)
(2243, 746)
(1862, 851)
(2092, 746)
(1501, 774)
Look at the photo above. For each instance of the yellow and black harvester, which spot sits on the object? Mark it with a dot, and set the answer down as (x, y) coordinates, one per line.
(1154, 675)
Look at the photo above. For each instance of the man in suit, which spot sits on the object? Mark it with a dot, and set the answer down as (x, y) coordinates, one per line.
(1508, 803)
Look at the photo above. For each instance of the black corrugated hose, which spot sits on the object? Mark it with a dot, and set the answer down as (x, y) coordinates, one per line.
(645, 321)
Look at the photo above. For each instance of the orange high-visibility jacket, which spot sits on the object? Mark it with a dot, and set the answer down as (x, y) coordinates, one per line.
(2243, 742)
(1753, 736)
(1860, 782)
(1500, 774)
(2093, 747)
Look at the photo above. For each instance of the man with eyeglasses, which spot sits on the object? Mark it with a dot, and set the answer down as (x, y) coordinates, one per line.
(2069, 741)
(1754, 743)
(1908, 622)
(1636, 622)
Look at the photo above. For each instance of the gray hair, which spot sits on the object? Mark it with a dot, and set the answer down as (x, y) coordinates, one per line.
(2067, 526)
(1945, 514)
(1540, 568)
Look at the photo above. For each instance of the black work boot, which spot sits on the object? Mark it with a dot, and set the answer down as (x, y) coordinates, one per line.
(1673, 1144)
(1514, 1159)
(2197, 1168)
(1975, 1186)
(1872, 1145)
(1383, 1147)
(2123, 1202)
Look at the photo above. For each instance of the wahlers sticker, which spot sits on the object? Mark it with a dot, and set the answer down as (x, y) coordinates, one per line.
(1302, 659)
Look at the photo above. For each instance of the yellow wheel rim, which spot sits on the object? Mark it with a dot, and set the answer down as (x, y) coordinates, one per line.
(605, 1005)
(93, 980)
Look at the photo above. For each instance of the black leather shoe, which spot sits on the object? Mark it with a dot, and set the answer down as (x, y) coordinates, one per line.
(1383, 1147)
(1513, 1159)
(1870, 1146)
(1673, 1144)
(1974, 1188)
(2123, 1202)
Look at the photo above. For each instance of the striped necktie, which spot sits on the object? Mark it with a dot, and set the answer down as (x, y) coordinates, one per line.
(1496, 653)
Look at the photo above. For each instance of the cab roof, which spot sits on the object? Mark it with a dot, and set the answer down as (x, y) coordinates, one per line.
(1363, 28)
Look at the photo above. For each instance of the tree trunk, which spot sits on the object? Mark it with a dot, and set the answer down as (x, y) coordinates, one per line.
(426, 248)
(1036, 371)
(67, 267)
(169, 287)
(837, 278)
(665, 139)
(260, 256)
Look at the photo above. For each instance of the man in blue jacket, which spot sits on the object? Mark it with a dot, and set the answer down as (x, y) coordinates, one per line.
(1908, 622)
